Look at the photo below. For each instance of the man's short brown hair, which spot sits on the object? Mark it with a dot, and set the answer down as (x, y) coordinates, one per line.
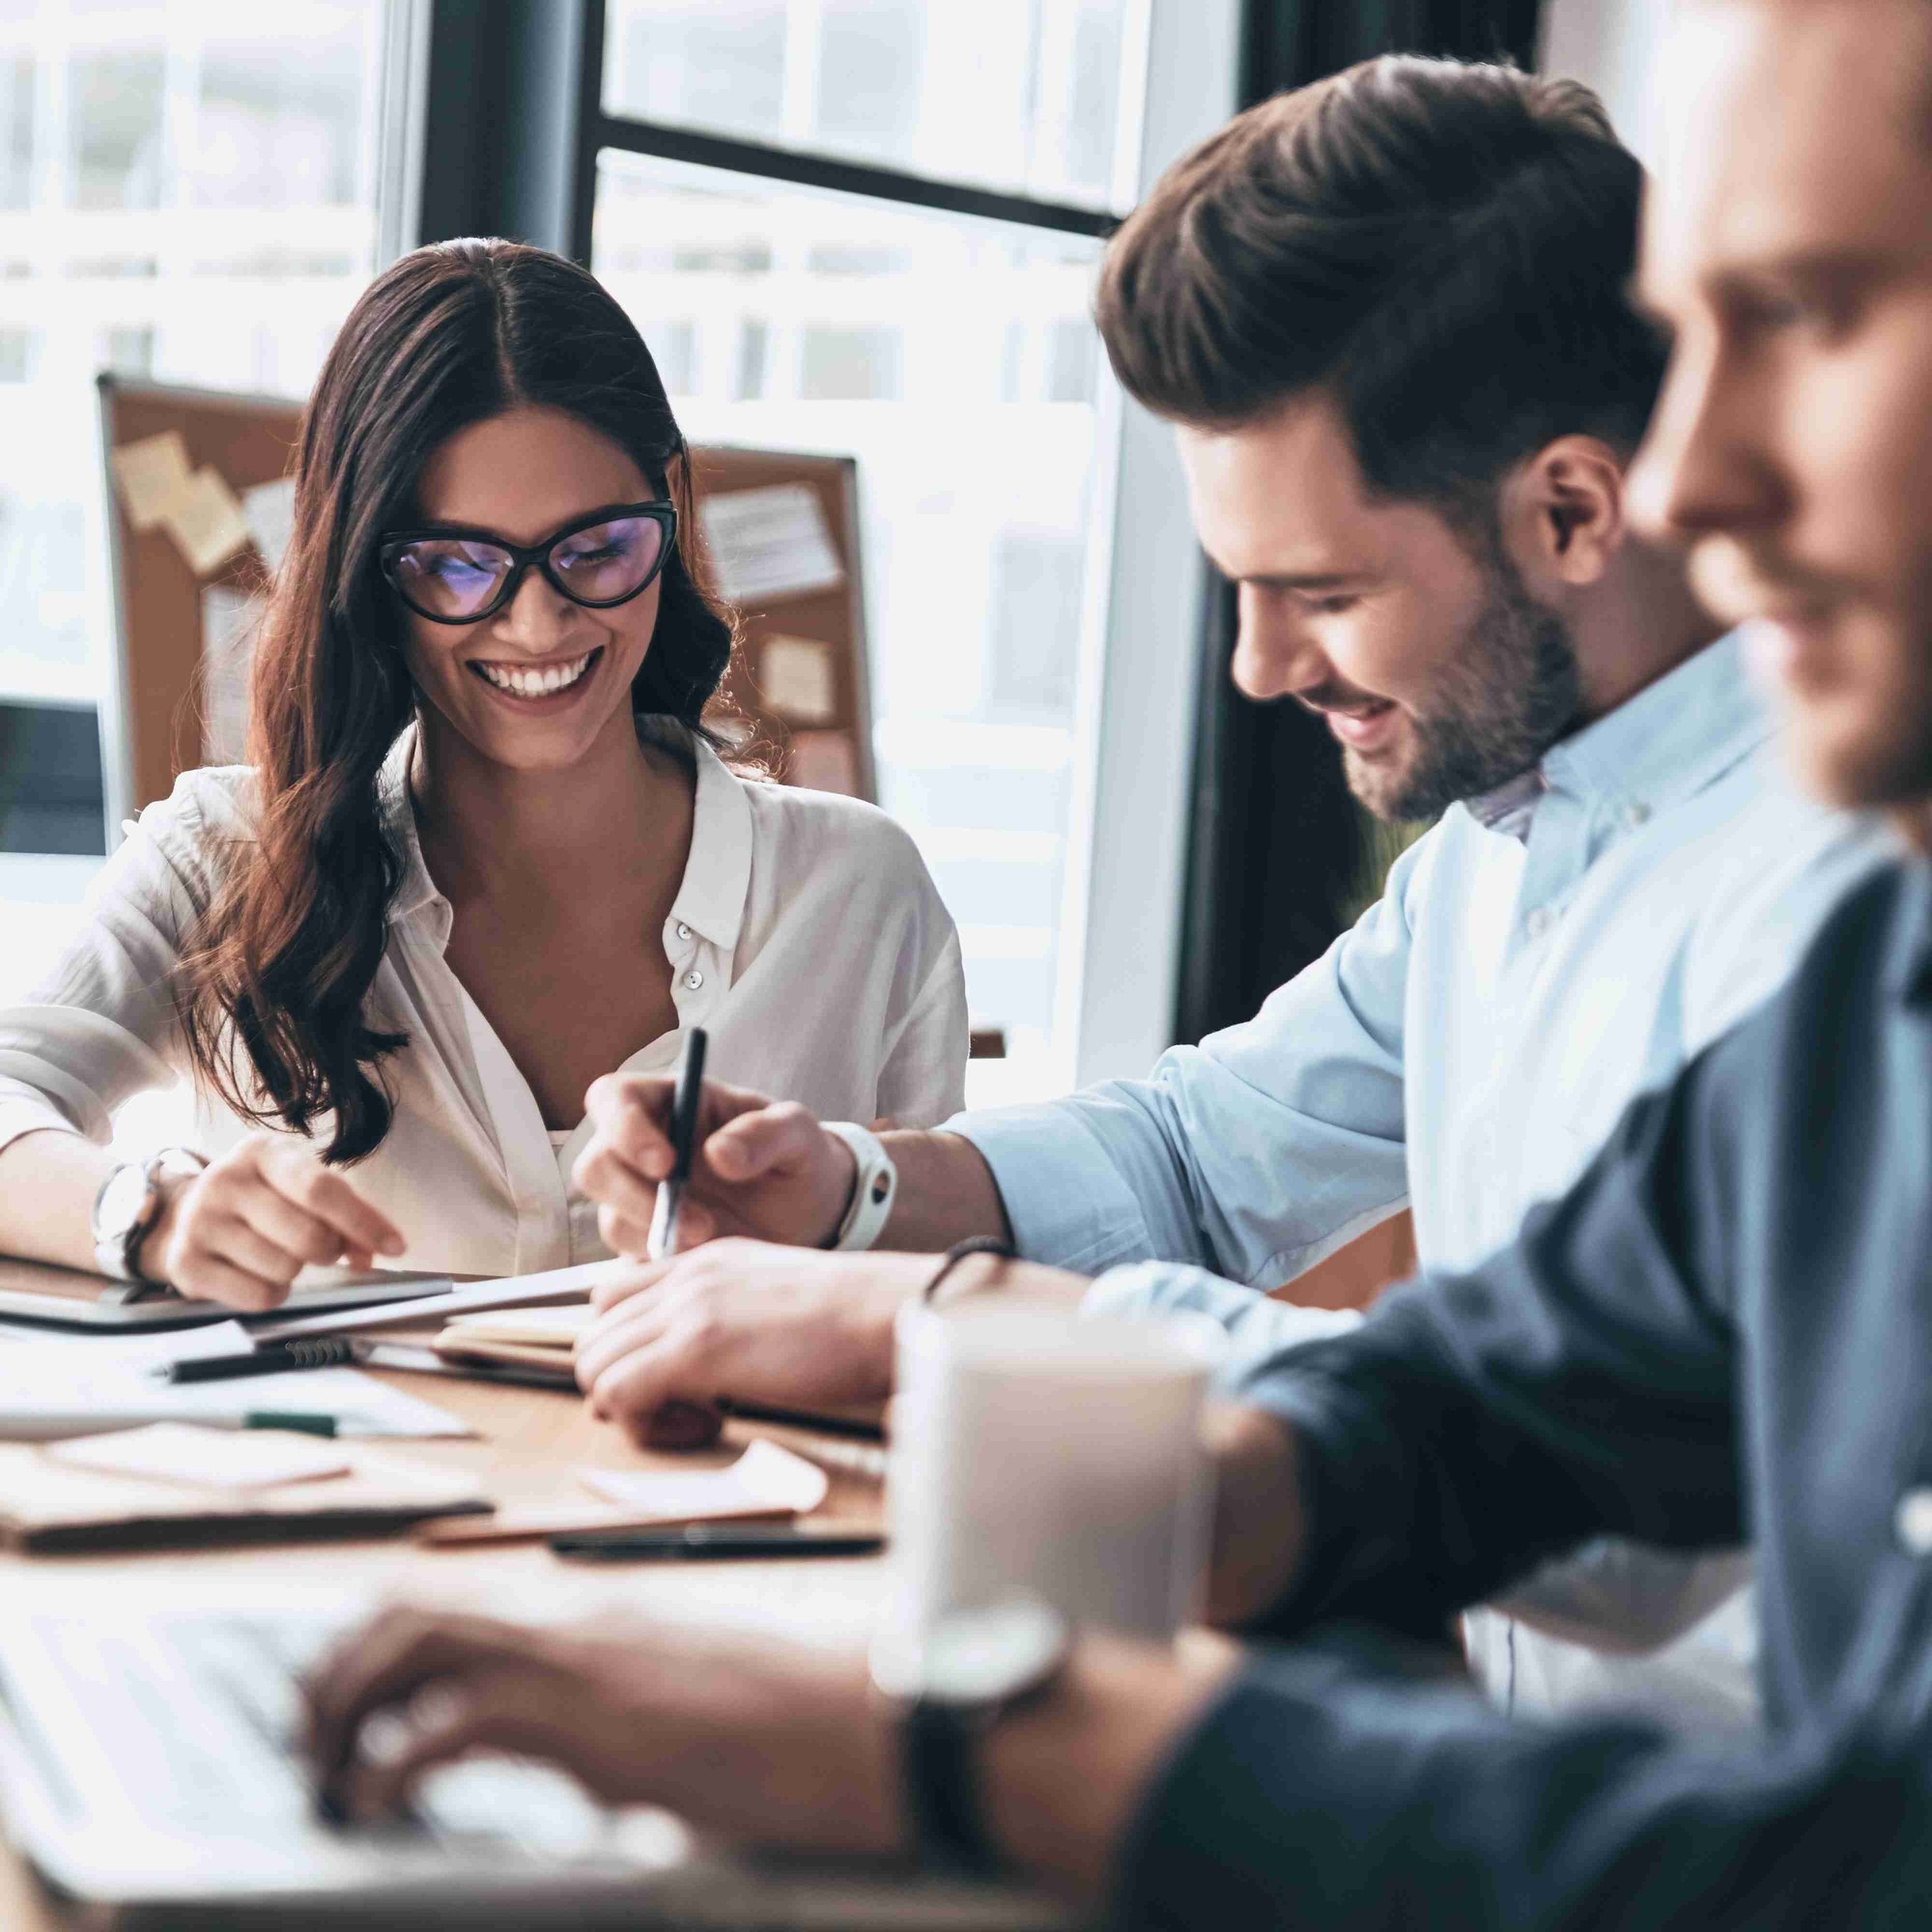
(1443, 247)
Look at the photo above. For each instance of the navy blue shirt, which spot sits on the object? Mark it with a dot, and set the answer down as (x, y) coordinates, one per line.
(1722, 1334)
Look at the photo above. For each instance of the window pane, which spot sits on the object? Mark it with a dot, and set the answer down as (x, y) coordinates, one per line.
(955, 359)
(1018, 95)
(187, 193)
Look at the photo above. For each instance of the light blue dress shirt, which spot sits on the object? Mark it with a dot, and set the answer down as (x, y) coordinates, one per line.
(1541, 956)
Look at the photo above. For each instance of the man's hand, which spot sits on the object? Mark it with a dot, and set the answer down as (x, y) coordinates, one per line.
(241, 1229)
(759, 1739)
(762, 1739)
(760, 1167)
(746, 1321)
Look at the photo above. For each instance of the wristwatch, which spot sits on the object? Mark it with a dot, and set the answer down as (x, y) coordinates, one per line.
(949, 1683)
(872, 1191)
(129, 1205)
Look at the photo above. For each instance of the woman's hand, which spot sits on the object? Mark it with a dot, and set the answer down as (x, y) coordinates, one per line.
(746, 1321)
(241, 1229)
(761, 1167)
(753, 1736)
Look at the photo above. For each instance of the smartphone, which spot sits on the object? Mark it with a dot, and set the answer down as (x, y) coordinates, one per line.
(715, 1538)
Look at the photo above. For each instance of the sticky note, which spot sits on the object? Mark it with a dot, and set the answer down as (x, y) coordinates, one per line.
(230, 623)
(769, 542)
(151, 473)
(796, 677)
(205, 519)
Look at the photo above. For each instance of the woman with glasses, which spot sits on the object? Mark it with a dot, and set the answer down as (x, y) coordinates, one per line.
(486, 851)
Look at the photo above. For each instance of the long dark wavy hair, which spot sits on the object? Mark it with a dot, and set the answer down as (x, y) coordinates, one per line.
(451, 335)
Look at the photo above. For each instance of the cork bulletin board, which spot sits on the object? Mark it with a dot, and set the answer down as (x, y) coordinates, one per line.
(198, 505)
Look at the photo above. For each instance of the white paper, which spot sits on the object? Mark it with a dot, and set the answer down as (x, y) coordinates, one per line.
(769, 543)
(764, 1478)
(209, 1458)
(153, 474)
(796, 679)
(72, 1388)
(511, 1291)
(230, 623)
(269, 511)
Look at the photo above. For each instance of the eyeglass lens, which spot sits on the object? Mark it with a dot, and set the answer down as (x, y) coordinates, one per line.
(459, 577)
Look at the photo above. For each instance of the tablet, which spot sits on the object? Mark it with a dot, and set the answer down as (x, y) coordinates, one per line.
(59, 1297)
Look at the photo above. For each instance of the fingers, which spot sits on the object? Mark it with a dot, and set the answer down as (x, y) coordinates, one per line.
(630, 1326)
(644, 1379)
(505, 1711)
(753, 1144)
(621, 1284)
(625, 1231)
(388, 1661)
(327, 1197)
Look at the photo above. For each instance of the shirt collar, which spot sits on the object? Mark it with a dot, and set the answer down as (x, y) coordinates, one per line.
(1676, 736)
(1908, 973)
(416, 888)
(717, 874)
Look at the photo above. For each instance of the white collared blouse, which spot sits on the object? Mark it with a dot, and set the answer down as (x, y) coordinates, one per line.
(806, 939)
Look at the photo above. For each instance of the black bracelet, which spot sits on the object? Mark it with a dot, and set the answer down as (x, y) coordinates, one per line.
(959, 1251)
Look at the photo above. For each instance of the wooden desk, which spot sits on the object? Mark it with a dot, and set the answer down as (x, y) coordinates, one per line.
(529, 1445)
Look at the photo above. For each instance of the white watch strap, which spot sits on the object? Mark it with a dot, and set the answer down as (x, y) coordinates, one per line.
(872, 1192)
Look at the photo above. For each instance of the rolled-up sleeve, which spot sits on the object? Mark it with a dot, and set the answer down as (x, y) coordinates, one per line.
(101, 1027)
(1254, 1154)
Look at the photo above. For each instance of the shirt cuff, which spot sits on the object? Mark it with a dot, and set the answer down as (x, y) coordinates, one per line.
(1065, 1198)
(1257, 1325)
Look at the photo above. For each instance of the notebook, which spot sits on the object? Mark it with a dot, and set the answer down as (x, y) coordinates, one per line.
(45, 1505)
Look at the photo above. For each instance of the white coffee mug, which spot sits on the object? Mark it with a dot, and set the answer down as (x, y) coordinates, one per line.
(1033, 1449)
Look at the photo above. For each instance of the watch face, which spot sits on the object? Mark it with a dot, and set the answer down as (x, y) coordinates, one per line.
(978, 1657)
(123, 1201)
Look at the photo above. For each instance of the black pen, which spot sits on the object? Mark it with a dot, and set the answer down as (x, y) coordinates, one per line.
(271, 1358)
(700, 1539)
(684, 1106)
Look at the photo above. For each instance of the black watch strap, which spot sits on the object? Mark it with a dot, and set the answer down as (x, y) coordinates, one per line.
(942, 1787)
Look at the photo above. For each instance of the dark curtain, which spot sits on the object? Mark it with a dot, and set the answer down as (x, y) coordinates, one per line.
(1278, 852)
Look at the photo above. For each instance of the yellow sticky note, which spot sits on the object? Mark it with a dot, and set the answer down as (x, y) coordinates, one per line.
(796, 677)
(205, 519)
(153, 474)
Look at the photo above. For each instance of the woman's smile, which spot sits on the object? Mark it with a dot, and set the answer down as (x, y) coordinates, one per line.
(547, 685)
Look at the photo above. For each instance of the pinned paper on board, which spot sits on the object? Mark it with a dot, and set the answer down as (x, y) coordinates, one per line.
(770, 542)
(230, 624)
(153, 473)
(205, 519)
(797, 679)
(824, 761)
(269, 511)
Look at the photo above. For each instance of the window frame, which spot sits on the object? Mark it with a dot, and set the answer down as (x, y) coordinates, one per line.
(510, 132)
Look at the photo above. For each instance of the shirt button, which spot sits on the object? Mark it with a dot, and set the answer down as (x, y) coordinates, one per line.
(1539, 921)
(1634, 815)
(1912, 1520)
(693, 979)
(683, 930)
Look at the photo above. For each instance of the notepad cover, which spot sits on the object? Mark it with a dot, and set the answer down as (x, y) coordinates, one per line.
(45, 1506)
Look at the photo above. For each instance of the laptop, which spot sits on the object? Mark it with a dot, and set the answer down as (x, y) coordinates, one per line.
(149, 1771)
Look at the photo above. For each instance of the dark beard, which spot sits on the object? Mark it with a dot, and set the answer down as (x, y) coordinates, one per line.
(1511, 690)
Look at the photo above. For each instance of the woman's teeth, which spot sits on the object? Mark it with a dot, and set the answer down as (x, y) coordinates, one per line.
(536, 683)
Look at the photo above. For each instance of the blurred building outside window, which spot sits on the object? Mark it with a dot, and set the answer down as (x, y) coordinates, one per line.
(954, 354)
(188, 193)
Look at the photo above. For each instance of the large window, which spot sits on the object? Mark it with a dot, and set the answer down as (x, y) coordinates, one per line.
(187, 192)
(890, 252)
